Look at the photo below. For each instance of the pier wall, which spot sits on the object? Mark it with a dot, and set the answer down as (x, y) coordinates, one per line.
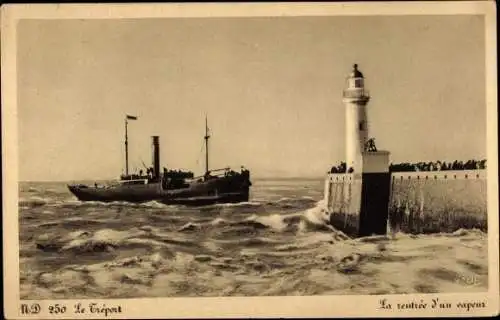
(438, 201)
(343, 199)
(418, 202)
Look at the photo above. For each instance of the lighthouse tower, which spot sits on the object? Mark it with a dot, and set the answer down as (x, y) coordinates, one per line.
(355, 98)
(358, 199)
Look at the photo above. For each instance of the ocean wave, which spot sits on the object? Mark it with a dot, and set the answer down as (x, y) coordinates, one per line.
(239, 204)
(274, 221)
(190, 226)
(48, 224)
(163, 217)
(148, 243)
(158, 205)
(89, 245)
(293, 218)
(80, 222)
(73, 203)
(251, 223)
(34, 201)
(283, 202)
(308, 198)
(299, 203)
(467, 233)
(350, 264)
(313, 219)
(218, 222)
(285, 199)
(303, 199)
(82, 241)
(310, 226)
(316, 218)
(461, 233)
(151, 204)
(41, 190)
(101, 240)
(258, 241)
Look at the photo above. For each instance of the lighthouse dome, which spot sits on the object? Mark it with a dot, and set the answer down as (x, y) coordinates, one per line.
(355, 72)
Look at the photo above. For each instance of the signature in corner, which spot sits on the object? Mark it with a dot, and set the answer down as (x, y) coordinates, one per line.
(467, 279)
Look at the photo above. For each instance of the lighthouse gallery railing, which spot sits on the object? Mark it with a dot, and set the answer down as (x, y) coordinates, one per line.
(356, 93)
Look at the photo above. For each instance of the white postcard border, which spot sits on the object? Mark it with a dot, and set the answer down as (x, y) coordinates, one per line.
(296, 306)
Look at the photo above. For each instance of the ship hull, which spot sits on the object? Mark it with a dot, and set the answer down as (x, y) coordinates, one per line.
(87, 193)
(198, 193)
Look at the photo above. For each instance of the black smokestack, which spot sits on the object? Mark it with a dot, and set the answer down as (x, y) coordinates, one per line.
(156, 156)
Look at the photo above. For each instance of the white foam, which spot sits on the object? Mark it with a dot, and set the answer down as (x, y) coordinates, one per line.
(239, 204)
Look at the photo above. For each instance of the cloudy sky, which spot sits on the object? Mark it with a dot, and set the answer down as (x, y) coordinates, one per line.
(271, 88)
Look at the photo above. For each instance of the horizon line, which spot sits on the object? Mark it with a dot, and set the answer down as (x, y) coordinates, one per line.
(257, 178)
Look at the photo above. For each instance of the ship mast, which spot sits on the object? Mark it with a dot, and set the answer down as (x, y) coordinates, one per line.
(127, 117)
(207, 136)
(126, 147)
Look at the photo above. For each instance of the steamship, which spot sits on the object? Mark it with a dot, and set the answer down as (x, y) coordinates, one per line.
(170, 186)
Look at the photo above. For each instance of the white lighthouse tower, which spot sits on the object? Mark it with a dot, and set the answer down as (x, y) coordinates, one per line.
(355, 98)
(358, 200)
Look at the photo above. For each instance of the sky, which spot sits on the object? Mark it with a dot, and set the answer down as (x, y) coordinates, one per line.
(271, 87)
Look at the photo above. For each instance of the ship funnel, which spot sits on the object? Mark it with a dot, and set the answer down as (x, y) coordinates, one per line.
(156, 156)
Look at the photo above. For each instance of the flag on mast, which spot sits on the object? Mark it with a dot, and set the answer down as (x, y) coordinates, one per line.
(131, 117)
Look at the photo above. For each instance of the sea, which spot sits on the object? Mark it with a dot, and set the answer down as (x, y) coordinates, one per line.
(277, 244)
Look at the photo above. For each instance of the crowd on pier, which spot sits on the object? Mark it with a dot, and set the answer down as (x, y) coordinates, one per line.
(341, 168)
(423, 166)
(439, 166)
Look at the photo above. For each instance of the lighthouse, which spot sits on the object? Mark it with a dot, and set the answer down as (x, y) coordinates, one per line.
(355, 98)
(358, 200)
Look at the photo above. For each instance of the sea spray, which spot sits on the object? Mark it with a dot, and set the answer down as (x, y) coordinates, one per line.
(275, 221)
(316, 218)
